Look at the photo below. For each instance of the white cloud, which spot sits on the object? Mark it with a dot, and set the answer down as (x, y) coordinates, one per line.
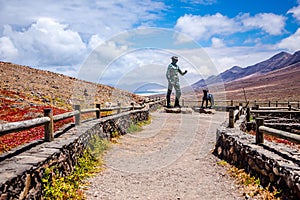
(199, 27)
(268, 22)
(295, 11)
(292, 43)
(95, 41)
(43, 33)
(217, 42)
(46, 42)
(204, 2)
(7, 49)
(205, 27)
(125, 67)
(98, 61)
(88, 18)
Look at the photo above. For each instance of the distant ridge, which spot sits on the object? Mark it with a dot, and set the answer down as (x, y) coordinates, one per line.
(150, 89)
(276, 62)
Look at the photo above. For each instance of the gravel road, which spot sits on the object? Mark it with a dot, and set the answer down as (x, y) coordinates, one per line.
(169, 159)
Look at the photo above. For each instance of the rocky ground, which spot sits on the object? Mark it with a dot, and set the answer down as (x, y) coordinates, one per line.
(170, 159)
(32, 86)
(280, 85)
(25, 92)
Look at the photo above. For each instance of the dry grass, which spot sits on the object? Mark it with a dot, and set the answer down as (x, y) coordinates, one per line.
(250, 186)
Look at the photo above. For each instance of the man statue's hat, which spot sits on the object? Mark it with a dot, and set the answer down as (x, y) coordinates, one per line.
(174, 58)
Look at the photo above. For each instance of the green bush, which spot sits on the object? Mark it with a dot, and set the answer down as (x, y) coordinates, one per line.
(133, 128)
(138, 126)
(68, 187)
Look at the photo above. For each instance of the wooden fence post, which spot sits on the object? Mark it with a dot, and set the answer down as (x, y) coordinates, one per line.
(231, 118)
(269, 103)
(298, 104)
(242, 110)
(49, 127)
(254, 103)
(248, 114)
(98, 106)
(231, 103)
(237, 117)
(119, 108)
(77, 116)
(290, 108)
(182, 103)
(132, 106)
(259, 138)
(276, 104)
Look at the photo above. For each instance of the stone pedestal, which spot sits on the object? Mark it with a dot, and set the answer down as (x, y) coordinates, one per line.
(179, 110)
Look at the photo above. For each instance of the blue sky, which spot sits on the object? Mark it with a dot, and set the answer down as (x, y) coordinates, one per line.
(128, 43)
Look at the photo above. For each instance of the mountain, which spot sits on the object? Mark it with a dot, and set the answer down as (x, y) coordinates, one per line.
(276, 62)
(150, 87)
(277, 85)
(295, 58)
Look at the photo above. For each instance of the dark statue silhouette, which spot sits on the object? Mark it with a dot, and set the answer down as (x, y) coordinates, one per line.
(207, 97)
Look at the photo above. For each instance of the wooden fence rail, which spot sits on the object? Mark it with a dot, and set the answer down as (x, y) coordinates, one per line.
(262, 124)
(235, 111)
(48, 120)
(275, 111)
(290, 112)
(261, 130)
(295, 104)
(68, 114)
(19, 126)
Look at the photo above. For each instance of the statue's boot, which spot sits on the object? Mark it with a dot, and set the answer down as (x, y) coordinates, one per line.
(177, 103)
(169, 99)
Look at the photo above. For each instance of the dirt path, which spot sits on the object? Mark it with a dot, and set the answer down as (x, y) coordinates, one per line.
(170, 159)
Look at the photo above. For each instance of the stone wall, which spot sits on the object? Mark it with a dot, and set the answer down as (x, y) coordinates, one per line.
(275, 164)
(156, 105)
(21, 172)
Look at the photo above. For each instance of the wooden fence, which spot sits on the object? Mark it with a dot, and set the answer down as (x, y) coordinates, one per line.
(265, 112)
(294, 104)
(261, 130)
(234, 115)
(48, 120)
(259, 113)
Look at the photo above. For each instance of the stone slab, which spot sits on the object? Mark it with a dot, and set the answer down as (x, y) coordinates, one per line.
(173, 110)
(186, 110)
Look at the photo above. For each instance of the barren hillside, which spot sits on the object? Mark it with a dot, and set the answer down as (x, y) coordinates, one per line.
(32, 86)
(278, 85)
(25, 92)
(281, 85)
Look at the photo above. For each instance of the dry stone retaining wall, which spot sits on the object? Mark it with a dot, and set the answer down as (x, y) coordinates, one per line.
(275, 164)
(21, 173)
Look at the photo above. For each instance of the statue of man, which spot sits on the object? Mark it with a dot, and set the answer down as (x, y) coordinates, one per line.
(173, 81)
